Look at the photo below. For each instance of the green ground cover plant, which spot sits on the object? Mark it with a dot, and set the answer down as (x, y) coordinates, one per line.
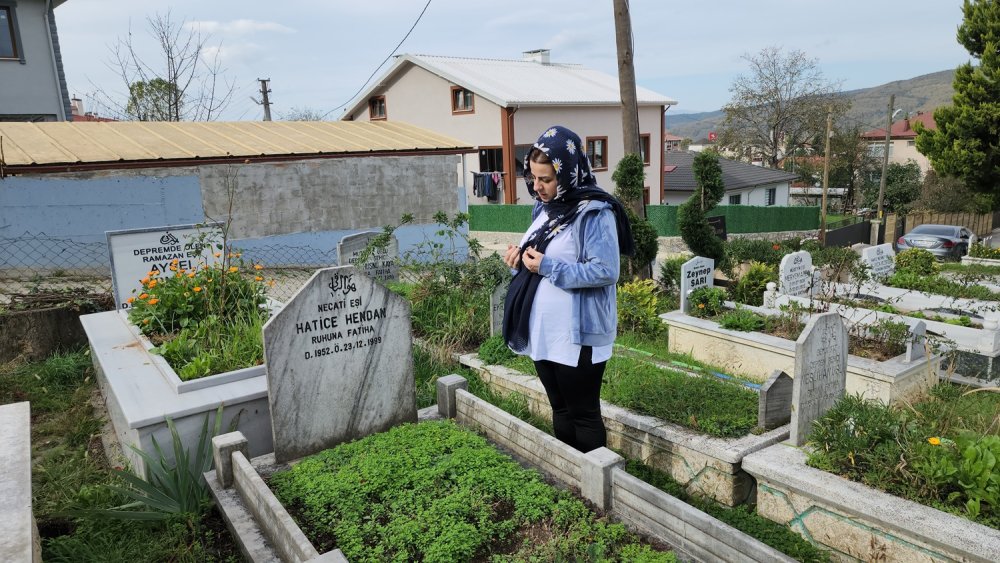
(940, 285)
(749, 289)
(70, 475)
(436, 492)
(919, 261)
(742, 517)
(942, 450)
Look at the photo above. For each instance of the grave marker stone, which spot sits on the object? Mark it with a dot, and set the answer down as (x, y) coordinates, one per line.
(339, 363)
(497, 299)
(795, 274)
(775, 406)
(383, 264)
(881, 260)
(136, 252)
(915, 343)
(696, 272)
(820, 372)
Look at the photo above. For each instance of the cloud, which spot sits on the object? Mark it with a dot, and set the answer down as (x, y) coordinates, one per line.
(238, 27)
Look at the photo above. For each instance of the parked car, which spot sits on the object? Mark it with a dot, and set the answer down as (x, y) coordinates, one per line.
(943, 241)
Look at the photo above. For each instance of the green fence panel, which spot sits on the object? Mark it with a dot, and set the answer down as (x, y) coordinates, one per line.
(500, 218)
(739, 218)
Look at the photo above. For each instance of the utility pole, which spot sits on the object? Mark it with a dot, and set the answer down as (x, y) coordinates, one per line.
(626, 85)
(885, 166)
(826, 175)
(264, 91)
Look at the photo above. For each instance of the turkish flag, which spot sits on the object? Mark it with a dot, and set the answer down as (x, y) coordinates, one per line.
(711, 135)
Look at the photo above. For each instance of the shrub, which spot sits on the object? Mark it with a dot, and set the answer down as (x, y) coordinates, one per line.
(918, 261)
(707, 301)
(739, 250)
(494, 351)
(645, 237)
(698, 235)
(637, 308)
(741, 319)
(670, 273)
(980, 250)
(750, 288)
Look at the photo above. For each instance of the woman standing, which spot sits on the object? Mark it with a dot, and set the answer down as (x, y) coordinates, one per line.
(561, 307)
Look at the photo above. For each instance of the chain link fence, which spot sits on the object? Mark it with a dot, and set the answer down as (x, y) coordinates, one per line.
(38, 270)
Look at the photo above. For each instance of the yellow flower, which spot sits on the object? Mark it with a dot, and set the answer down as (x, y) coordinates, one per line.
(155, 273)
(217, 254)
(270, 283)
(934, 441)
(131, 299)
(196, 288)
(175, 261)
(258, 267)
(154, 301)
(701, 305)
(191, 275)
(152, 284)
(258, 278)
(143, 296)
(145, 321)
(233, 269)
(151, 273)
(144, 281)
(209, 280)
(173, 268)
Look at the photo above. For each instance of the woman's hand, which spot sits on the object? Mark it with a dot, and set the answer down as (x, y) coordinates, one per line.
(532, 259)
(511, 257)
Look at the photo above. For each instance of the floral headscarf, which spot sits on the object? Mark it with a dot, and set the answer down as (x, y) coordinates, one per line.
(569, 158)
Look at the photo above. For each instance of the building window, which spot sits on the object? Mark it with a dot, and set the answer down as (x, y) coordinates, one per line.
(597, 152)
(462, 100)
(490, 159)
(735, 199)
(376, 108)
(521, 153)
(772, 196)
(9, 38)
(644, 148)
(911, 143)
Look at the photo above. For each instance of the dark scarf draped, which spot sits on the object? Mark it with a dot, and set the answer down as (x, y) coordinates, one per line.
(573, 193)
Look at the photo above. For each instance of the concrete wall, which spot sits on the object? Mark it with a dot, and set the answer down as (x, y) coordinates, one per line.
(284, 211)
(32, 88)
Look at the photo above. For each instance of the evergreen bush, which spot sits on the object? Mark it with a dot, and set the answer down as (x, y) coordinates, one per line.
(698, 235)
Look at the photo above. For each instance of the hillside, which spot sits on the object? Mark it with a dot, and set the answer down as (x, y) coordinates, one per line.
(868, 105)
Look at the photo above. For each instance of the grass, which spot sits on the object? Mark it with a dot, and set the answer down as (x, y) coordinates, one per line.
(70, 472)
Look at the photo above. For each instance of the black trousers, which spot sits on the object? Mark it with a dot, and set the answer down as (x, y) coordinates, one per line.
(575, 396)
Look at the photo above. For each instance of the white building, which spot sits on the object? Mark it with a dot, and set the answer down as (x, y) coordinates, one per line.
(746, 184)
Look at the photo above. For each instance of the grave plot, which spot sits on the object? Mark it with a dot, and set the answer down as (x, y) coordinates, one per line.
(744, 348)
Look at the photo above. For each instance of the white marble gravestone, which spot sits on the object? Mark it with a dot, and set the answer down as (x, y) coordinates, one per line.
(696, 272)
(383, 264)
(339, 363)
(497, 299)
(820, 376)
(795, 275)
(881, 260)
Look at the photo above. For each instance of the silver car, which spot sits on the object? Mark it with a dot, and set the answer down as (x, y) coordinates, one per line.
(943, 241)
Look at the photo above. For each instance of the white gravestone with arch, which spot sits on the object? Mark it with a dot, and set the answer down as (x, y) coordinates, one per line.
(136, 252)
(881, 260)
(382, 264)
(695, 273)
(795, 276)
(339, 363)
(820, 377)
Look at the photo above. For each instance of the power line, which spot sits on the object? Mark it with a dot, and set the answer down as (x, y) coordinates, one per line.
(396, 48)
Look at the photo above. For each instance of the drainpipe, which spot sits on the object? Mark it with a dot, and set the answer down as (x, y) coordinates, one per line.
(52, 52)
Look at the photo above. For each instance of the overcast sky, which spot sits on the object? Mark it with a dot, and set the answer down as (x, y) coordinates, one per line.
(319, 53)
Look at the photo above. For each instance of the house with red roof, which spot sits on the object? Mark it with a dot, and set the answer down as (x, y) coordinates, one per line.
(902, 140)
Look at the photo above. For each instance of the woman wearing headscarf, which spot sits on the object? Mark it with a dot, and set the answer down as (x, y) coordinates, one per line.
(561, 308)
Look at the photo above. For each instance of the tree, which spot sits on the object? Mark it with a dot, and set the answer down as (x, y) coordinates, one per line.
(697, 234)
(965, 141)
(628, 177)
(302, 114)
(778, 107)
(902, 187)
(949, 194)
(851, 162)
(183, 82)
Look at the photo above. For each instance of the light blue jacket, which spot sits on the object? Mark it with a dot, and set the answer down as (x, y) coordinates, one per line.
(591, 280)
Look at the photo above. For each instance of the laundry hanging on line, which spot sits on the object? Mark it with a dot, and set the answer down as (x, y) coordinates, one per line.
(487, 184)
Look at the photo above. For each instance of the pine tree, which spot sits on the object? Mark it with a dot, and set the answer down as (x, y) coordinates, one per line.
(966, 143)
(697, 234)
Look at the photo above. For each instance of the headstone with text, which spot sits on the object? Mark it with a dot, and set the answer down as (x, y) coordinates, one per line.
(136, 252)
(339, 363)
(497, 299)
(795, 275)
(382, 264)
(820, 377)
(881, 260)
(696, 272)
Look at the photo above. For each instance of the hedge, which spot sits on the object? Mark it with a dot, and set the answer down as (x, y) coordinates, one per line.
(739, 218)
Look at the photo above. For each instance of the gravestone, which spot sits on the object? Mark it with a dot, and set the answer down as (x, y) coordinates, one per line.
(136, 252)
(696, 272)
(820, 372)
(382, 264)
(795, 275)
(497, 299)
(775, 406)
(339, 363)
(916, 342)
(881, 260)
